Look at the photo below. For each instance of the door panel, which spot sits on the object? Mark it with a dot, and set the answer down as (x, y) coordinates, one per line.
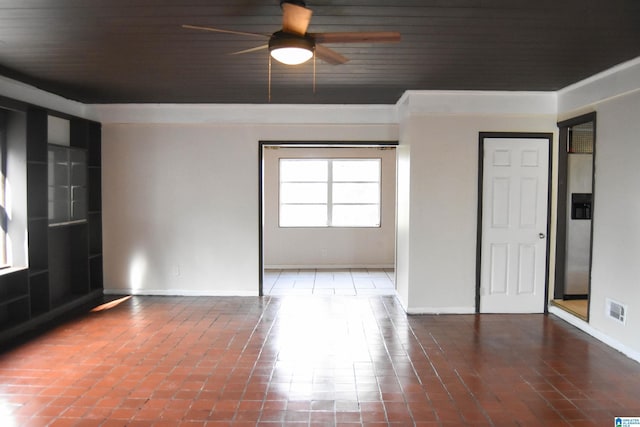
(500, 202)
(528, 200)
(527, 270)
(499, 268)
(514, 225)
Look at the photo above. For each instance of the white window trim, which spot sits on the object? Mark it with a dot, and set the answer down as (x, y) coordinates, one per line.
(4, 259)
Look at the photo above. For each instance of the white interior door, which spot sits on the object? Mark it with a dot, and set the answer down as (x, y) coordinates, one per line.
(514, 225)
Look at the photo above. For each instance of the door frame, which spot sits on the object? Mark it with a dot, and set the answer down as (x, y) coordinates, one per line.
(512, 135)
(308, 144)
(561, 219)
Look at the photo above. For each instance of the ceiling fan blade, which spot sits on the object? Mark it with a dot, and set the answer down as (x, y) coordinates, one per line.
(253, 49)
(295, 19)
(329, 55)
(220, 30)
(357, 37)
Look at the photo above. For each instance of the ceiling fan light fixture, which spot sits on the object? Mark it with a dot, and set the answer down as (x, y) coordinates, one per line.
(291, 49)
(291, 55)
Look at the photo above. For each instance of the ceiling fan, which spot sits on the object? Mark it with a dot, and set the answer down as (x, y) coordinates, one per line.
(293, 45)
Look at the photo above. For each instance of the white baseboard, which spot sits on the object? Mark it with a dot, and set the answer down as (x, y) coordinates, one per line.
(585, 327)
(327, 267)
(440, 310)
(180, 292)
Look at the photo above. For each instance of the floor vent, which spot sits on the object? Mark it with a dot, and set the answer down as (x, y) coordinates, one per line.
(616, 311)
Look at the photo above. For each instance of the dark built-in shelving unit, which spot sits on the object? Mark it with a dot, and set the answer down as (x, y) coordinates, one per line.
(64, 269)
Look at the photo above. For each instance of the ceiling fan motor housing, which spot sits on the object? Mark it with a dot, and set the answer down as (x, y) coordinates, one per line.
(300, 3)
(281, 39)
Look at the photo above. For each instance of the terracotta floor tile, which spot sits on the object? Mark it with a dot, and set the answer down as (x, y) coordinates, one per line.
(74, 412)
(65, 422)
(311, 361)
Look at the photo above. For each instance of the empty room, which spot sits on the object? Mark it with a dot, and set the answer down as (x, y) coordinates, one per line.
(320, 213)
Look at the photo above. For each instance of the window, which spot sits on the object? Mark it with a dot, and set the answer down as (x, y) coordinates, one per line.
(330, 192)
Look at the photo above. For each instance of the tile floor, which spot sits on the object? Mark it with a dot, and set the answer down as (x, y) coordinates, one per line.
(300, 361)
(347, 282)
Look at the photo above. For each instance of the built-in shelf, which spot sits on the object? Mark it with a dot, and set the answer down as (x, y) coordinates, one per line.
(64, 299)
(95, 271)
(65, 259)
(38, 246)
(67, 223)
(14, 314)
(34, 272)
(37, 190)
(67, 184)
(9, 299)
(14, 297)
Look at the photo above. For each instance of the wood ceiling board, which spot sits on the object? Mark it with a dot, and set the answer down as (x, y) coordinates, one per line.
(124, 50)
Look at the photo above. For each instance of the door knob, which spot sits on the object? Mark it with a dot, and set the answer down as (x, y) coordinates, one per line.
(541, 235)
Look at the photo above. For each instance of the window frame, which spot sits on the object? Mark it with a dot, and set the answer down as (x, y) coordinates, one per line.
(330, 204)
(4, 219)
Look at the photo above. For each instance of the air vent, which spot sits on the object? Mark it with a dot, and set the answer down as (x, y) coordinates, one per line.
(616, 311)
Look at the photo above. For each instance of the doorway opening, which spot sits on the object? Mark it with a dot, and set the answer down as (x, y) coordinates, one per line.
(327, 218)
(576, 168)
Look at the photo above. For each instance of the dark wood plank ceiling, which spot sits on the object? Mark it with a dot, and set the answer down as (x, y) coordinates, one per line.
(107, 51)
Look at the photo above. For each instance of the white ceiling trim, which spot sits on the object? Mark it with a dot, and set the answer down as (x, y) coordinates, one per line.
(242, 114)
(617, 81)
(477, 103)
(30, 94)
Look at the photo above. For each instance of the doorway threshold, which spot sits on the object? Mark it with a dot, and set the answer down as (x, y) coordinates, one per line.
(576, 307)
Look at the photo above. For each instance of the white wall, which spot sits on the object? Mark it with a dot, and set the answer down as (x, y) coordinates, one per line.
(616, 240)
(180, 200)
(437, 215)
(615, 97)
(179, 210)
(346, 247)
(615, 268)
